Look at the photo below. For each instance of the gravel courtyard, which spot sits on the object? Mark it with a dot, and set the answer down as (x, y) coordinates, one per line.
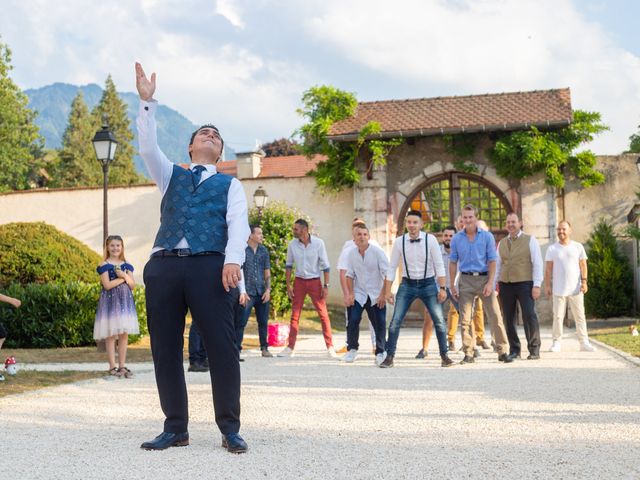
(568, 415)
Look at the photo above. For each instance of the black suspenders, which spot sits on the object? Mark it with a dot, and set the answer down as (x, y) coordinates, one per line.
(426, 255)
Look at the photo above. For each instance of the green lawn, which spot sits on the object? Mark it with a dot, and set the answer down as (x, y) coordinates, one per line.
(27, 380)
(618, 337)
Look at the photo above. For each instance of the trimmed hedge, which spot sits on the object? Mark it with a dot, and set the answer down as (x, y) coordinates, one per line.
(58, 314)
(40, 253)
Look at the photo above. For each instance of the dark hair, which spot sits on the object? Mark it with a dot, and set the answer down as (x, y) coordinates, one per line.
(302, 222)
(449, 227)
(207, 125)
(253, 227)
(414, 213)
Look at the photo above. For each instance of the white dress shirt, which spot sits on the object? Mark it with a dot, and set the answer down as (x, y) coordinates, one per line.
(309, 260)
(346, 249)
(368, 272)
(416, 258)
(161, 170)
(536, 260)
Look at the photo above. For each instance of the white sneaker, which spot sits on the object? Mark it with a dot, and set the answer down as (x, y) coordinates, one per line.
(555, 346)
(332, 352)
(286, 352)
(350, 356)
(587, 347)
(380, 358)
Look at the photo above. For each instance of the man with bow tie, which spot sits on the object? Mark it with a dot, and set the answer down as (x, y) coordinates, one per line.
(194, 265)
(423, 277)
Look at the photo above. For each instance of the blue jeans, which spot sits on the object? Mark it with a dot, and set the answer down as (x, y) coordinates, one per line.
(377, 317)
(262, 316)
(197, 353)
(427, 291)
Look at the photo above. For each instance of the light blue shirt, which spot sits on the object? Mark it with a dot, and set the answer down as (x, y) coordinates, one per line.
(473, 256)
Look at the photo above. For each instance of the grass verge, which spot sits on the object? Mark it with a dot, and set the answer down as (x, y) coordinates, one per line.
(141, 351)
(618, 337)
(28, 380)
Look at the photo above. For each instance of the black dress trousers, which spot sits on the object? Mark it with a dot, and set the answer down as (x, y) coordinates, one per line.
(173, 286)
(520, 292)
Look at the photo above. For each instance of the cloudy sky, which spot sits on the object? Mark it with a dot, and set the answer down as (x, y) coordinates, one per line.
(243, 64)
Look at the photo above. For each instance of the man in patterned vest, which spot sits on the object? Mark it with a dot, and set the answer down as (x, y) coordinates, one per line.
(194, 265)
(519, 272)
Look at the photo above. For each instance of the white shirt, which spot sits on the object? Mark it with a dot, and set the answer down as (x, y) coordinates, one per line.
(346, 249)
(566, 267)
(416, 257)
(309, 260)
(161, 170)
(368, 272)
(536, 260)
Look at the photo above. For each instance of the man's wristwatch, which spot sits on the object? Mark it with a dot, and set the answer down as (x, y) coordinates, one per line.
(325, 285)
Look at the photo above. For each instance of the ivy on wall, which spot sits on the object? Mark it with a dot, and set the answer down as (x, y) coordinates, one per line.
(322, 107)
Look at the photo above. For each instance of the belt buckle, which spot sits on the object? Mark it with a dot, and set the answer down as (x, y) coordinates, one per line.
(475, 274)
(184, 252)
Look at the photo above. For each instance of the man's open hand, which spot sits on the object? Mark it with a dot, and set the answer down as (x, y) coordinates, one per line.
(230, 276)
(146, 87)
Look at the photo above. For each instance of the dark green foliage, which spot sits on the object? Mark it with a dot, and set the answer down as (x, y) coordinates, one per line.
(277, 224)
(322, 107)
(462, 146)
(40, 253)
(21, 147)
(58, 314)
(610, 276)
(281, 147)
(77, 164)
(521, 154)
(122, 170)
(634, 142)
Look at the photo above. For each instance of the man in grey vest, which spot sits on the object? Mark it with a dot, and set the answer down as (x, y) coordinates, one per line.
(519, 272)
(194, 265)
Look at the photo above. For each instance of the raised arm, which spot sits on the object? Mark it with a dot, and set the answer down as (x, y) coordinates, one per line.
(146, 87)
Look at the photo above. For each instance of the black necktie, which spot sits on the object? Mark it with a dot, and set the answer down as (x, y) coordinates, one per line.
(414, 240)
(197, 174)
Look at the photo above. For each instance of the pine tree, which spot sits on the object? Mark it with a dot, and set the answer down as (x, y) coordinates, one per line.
(77, 164)
(122, 171)
(610, 276)
(21, 146)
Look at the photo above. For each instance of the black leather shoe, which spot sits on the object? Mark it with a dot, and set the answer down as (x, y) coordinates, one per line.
(198, 367)
(534, 356)
(388, 362)
(446, 361)
(421, 354)
(476, 353)
(505, 358)
(467, 359)
(234, 443)
(166, 440)
(514, 356)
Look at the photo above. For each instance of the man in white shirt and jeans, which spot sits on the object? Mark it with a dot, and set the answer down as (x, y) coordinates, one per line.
(566, 275)
(367, 267)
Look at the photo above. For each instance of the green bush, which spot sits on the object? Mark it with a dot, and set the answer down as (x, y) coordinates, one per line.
(40, 253)
(610, 276)
(277, 223)
(58, 314)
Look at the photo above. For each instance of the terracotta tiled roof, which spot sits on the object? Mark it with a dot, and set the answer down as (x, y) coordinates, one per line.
(291, 166)
(472, 113)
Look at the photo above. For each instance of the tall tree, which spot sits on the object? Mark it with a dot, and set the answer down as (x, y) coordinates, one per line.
(122, 171)
(21, 146)
(77, 164)
(634, 142)
(281, 147)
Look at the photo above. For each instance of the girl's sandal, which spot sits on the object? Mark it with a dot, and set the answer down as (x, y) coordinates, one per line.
(114, 372)
(125, 372)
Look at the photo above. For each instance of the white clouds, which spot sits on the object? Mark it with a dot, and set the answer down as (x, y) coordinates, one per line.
(229, 10)
(491, 46)
(246, 78)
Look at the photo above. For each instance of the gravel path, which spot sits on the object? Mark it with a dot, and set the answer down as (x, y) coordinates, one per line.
(569, 415)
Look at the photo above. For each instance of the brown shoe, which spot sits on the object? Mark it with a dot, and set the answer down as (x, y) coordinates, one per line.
(266, 353)
(388, 362)
(467, 359)
(452, 346)
(446, 361)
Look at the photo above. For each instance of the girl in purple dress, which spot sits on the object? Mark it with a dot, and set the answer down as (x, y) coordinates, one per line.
(116, 317)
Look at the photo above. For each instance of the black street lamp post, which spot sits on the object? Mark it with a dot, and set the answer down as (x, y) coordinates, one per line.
(260, 197)
(105, 143)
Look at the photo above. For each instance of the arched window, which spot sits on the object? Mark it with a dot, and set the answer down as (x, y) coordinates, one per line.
(441, 200)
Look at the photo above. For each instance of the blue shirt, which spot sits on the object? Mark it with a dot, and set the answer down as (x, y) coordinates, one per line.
(253, 269)
(473, 256)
